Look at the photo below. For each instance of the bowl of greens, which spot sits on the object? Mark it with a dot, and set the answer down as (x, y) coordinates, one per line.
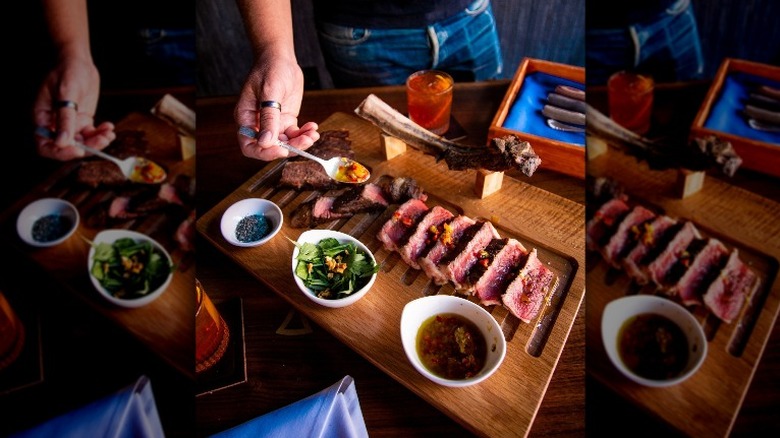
(332, 268)
(128, 268)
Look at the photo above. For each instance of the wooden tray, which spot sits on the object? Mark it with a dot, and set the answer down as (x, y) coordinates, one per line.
(708, 403)
(166, 324)
(506, 403)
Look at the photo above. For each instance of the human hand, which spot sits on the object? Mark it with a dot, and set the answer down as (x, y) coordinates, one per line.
(78, 81)
(273, 79)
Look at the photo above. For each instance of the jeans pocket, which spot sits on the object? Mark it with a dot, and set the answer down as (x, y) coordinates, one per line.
(343, 35)
(477, 7)
(678, 7)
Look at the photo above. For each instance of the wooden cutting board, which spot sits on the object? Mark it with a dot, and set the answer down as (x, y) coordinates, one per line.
(166, 324)
(707, 404)
(506, 403)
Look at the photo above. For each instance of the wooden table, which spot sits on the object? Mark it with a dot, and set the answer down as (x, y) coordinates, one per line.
(282, 370)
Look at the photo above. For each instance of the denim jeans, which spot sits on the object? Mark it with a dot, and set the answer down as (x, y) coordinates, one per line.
(465, 45)
(172, 48)
(666, 47)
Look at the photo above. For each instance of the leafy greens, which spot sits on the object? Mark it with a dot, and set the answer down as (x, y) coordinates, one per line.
(129, 269)
(332, 269)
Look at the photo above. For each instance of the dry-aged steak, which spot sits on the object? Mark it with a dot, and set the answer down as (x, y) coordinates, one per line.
(625, 237)
(526, 293)
(727, 293)
(659, 268)
(396, 231)
(474, 240)
(701, 270)
(651, 236)
(491, 282)
(449, 235)
(603, 222)
(425, 234)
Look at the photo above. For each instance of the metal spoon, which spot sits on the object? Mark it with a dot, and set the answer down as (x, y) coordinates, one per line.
(136, 169)
(560, 126)
(340, 169)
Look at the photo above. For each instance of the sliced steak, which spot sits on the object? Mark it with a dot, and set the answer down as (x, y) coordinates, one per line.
(96, 173)
(425, 234)
(651, 236)
(659, 268)
(449, 233)
(400, 189)
(527, 292)
(315, 211)
(306, 175)
(396, 231)
(701, 271)
(604, 222)
(456, 265)
(626, 235)
(360, 199)
(491, 284)
(727, 293)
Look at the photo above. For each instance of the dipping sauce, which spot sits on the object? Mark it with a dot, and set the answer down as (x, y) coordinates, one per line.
(147, 171)
(252, 228)
(352, 172)
(451, 346)
(653, 346)
(50, 227)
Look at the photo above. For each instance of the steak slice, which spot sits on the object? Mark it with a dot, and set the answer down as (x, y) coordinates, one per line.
(494, 280)
(727, 293)
(456, 265)
(95, 173)
(625, 237)
(400, 189)
(659, 268)
(424, 235)
(701, 272)
(604, 222)
(651, 236)
(360, 199)
(396, 231)
(315, 211)
(449, 235)
(308, 175)
(526, 293)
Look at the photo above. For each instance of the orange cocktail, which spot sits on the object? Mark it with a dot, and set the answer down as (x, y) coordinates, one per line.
(11, 333)
(211, 332)
(631, 100)
(429, 99)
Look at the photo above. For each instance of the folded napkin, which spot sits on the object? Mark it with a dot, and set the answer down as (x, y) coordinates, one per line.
(129, 413)
(333, 412)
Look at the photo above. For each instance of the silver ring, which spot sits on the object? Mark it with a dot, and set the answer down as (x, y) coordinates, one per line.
(271, 104)
(67, 104)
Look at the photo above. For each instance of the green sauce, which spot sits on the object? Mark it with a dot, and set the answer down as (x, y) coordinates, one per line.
(451, 346)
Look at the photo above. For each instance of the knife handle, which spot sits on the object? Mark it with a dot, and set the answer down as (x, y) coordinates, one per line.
(571, 92)
(564, 115)
(565, 102)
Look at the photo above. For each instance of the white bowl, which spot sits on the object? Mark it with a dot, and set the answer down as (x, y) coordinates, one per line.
(416, 312)
(248, 207)
(41, 208)
(618, 311)
(111, 236)
(314, 236)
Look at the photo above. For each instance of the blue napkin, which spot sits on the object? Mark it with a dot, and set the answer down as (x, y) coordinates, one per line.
(525, 115)
(726, 114)
(129, 413)
(333, 412)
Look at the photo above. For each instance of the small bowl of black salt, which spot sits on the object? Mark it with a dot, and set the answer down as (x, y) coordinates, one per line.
(251, 222)
(47, 222)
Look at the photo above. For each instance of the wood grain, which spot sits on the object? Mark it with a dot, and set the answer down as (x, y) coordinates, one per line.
(548, 220)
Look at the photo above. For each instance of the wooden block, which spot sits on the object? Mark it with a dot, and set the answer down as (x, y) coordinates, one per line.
(487, 183)
(393, 146)
(187, 146)
(595, 147)
(689, 182)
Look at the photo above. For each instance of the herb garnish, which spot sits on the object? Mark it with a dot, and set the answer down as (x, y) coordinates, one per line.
(129, 269)
(333, 270)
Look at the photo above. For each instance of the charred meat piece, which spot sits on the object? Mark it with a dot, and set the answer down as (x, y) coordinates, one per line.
(360, 199)
(625, 237)
(727, 293)
(314, 211)
(490, 283)
(659, 268)
(700, 272)
(604, 222)
(651, 238)
(457, 264)
(527, 292)
(299, 173)
(449, 233)
(400, 189)
(425, 234)
(397, 230)
(95, 173)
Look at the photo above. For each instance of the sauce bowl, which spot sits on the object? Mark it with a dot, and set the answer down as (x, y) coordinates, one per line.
(248, 207)
(621, 310)
(40, 209)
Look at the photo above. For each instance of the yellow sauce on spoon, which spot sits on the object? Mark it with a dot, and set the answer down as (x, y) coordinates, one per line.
(351, 171)
(147, 171)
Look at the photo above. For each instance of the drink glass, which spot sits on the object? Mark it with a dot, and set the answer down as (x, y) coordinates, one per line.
(631, 100)
(11, 333)
(211, 332)
(429, 99)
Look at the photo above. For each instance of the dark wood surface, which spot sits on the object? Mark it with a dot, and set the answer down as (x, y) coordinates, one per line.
(281, 370)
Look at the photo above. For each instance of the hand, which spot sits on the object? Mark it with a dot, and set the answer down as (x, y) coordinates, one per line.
(75, 80)
(281, 80)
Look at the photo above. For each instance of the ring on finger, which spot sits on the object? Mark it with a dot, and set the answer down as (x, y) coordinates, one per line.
(66, 104)
(271, 104)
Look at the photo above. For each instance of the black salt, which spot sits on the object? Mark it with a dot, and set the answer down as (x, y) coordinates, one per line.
(252, 228)
(50, 227)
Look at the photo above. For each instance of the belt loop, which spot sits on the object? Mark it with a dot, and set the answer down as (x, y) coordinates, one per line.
(434, 46)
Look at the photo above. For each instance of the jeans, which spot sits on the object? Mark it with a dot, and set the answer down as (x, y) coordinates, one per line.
(466, 46)
(174, 49)
(666, 47)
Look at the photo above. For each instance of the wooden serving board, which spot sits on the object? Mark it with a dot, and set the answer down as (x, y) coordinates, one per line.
(707, 404)
(507, 402)
(166, 324)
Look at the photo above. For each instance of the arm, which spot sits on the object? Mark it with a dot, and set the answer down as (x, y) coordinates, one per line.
(74, 78)
(276, 76)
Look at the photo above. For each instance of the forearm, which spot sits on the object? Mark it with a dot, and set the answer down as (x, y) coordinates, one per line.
(268, 24)
(69, 27)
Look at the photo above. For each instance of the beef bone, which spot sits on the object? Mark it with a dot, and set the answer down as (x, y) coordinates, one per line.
(502, 154)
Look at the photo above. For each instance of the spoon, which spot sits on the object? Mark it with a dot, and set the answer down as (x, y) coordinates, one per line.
(340, 169)
(136, 169)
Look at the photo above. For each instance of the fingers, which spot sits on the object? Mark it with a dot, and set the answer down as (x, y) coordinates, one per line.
(67, 114)
(100, 136)
(304, 136)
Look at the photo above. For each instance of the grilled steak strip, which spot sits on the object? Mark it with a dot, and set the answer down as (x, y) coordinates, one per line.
(652, 238)
(726, 295)
(456, 268)
(396, 231)
(602, 225)
(625, 237)
(493, 281)
(527, 292)
(424, 235)
(449, 235)
(659, 268)
(700, 272)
